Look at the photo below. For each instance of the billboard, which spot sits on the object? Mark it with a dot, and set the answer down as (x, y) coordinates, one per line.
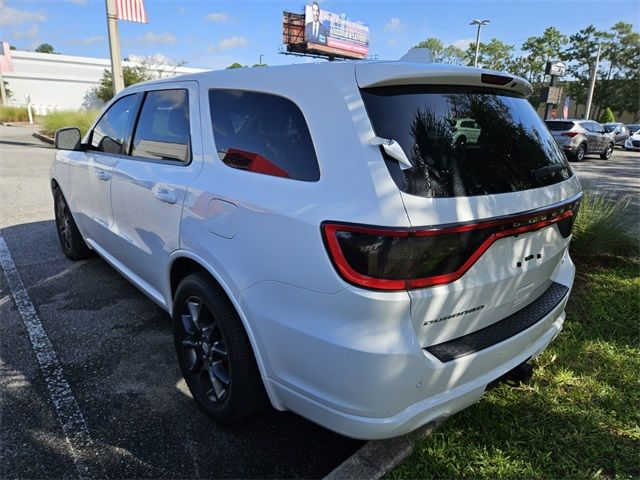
(330, 31)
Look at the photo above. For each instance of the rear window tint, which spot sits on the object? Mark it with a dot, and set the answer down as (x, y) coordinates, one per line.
(262, 133)
(560, 125)
(510, 150)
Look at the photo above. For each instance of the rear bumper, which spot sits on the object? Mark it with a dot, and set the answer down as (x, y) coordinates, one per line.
(365, 374)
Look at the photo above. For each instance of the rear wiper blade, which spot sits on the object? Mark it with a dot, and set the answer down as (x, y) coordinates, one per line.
(544, 171)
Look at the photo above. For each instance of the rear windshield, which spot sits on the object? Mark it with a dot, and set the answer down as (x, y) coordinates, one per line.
(610, 128)
(506, 149)
(560, 125)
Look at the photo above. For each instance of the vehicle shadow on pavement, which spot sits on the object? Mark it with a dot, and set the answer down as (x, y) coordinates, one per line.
(116, 350)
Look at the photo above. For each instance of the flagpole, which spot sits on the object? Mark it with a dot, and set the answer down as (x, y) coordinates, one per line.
(114, 47)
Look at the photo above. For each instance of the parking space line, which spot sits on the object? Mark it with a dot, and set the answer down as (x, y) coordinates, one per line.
(67, 409)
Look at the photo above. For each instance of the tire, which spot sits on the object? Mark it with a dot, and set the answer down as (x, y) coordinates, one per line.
(580, 153)
(606, 155)
(214, 352)
(71, 241)
(461, 141)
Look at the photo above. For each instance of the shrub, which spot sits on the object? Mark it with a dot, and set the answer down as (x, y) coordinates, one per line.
(607, 116)
(604, 226)
(13, 114)
(69, 118)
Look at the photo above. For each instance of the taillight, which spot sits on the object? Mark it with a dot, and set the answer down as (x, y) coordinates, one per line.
(408, 258)
(569, 134)
(494, 79)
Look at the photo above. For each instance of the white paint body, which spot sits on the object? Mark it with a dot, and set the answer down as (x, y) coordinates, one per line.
(350, 359)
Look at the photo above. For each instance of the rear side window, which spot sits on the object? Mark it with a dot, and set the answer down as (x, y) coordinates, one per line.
(163, 128)
(262, 133)
(112, 134)
(510, 149)
(557, 126)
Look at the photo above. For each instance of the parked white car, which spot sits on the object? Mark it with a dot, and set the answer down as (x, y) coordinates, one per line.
(466, 130)
(317, 235)
(633, 142)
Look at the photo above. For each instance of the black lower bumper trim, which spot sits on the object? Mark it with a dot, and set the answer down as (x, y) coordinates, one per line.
(500, 331)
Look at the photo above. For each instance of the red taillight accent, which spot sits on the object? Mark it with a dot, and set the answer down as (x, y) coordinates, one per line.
(494, 79)
(487, 233)
(569, 134)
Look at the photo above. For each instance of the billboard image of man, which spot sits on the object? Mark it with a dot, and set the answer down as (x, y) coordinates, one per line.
(315, 30)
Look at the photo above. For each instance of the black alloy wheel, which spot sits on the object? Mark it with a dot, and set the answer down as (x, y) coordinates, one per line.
(214, 352)
(204, 352)
(71, 241)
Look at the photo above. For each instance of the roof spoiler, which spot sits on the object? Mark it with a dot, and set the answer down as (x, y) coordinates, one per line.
(417, 55)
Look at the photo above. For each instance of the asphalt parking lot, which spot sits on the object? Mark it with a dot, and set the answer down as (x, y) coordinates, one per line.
(113, 349)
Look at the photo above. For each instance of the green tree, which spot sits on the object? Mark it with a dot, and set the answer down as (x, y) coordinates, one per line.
(443, 54)
(131, 75)
(581, 55)
(45, 48)
(540, 50)
(607, 116)
(495, 54)
(235, 65)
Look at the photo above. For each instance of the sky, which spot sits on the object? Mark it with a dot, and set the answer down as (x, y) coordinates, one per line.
(214, 34)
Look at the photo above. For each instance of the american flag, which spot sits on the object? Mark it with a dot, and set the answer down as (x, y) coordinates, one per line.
(6, 64)
(565, 107)
(131, 10)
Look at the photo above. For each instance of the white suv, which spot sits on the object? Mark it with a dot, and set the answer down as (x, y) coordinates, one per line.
(319, 237)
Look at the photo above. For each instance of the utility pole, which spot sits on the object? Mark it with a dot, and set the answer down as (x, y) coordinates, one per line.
(479, 23)
(114, 47)
(3, 92)
(592, 85)
(260, 61)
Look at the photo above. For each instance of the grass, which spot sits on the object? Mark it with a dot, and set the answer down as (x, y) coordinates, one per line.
(603, 226)
(69, 118)
(580, 415)
(13, 114)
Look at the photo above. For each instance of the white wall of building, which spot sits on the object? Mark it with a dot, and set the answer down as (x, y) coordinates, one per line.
(63, 82)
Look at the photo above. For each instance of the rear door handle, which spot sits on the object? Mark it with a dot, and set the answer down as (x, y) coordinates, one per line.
(102, 175)
(165, 196)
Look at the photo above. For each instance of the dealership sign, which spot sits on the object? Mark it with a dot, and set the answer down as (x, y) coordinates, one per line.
(333, 31)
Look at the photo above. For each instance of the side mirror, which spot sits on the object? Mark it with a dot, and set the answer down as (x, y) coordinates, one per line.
(109, 145)
(67, 138)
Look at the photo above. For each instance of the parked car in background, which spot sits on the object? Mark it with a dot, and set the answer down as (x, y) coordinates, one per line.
(633, 128)
(633, 142)
(581, 137)
(466, 130)
(619, 131)
(338, 253)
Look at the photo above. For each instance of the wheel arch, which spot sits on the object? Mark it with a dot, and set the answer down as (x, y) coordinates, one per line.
(183, 263)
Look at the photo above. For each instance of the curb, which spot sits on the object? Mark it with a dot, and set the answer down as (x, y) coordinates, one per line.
(376, 458)
(43, 138)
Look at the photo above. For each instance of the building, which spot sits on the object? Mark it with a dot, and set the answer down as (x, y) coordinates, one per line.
(64, 82)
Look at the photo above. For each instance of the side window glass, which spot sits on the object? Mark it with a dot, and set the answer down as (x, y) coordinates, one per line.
(112, 134)
(163, 128)
(262, 133)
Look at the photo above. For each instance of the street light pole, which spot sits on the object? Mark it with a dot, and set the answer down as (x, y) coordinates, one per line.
(479, 23)
(592, 84)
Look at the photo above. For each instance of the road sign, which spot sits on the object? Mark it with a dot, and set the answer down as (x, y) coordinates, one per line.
(555, 68)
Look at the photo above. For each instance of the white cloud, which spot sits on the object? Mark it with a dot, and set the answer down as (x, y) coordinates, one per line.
(89, 40)
(30, 33)
(228, 43)
(463, 43)
(394, 25)
(182, 10)
(152, 38)
(392, 42)
(216, 17)
(15, 16)
(78, 2)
